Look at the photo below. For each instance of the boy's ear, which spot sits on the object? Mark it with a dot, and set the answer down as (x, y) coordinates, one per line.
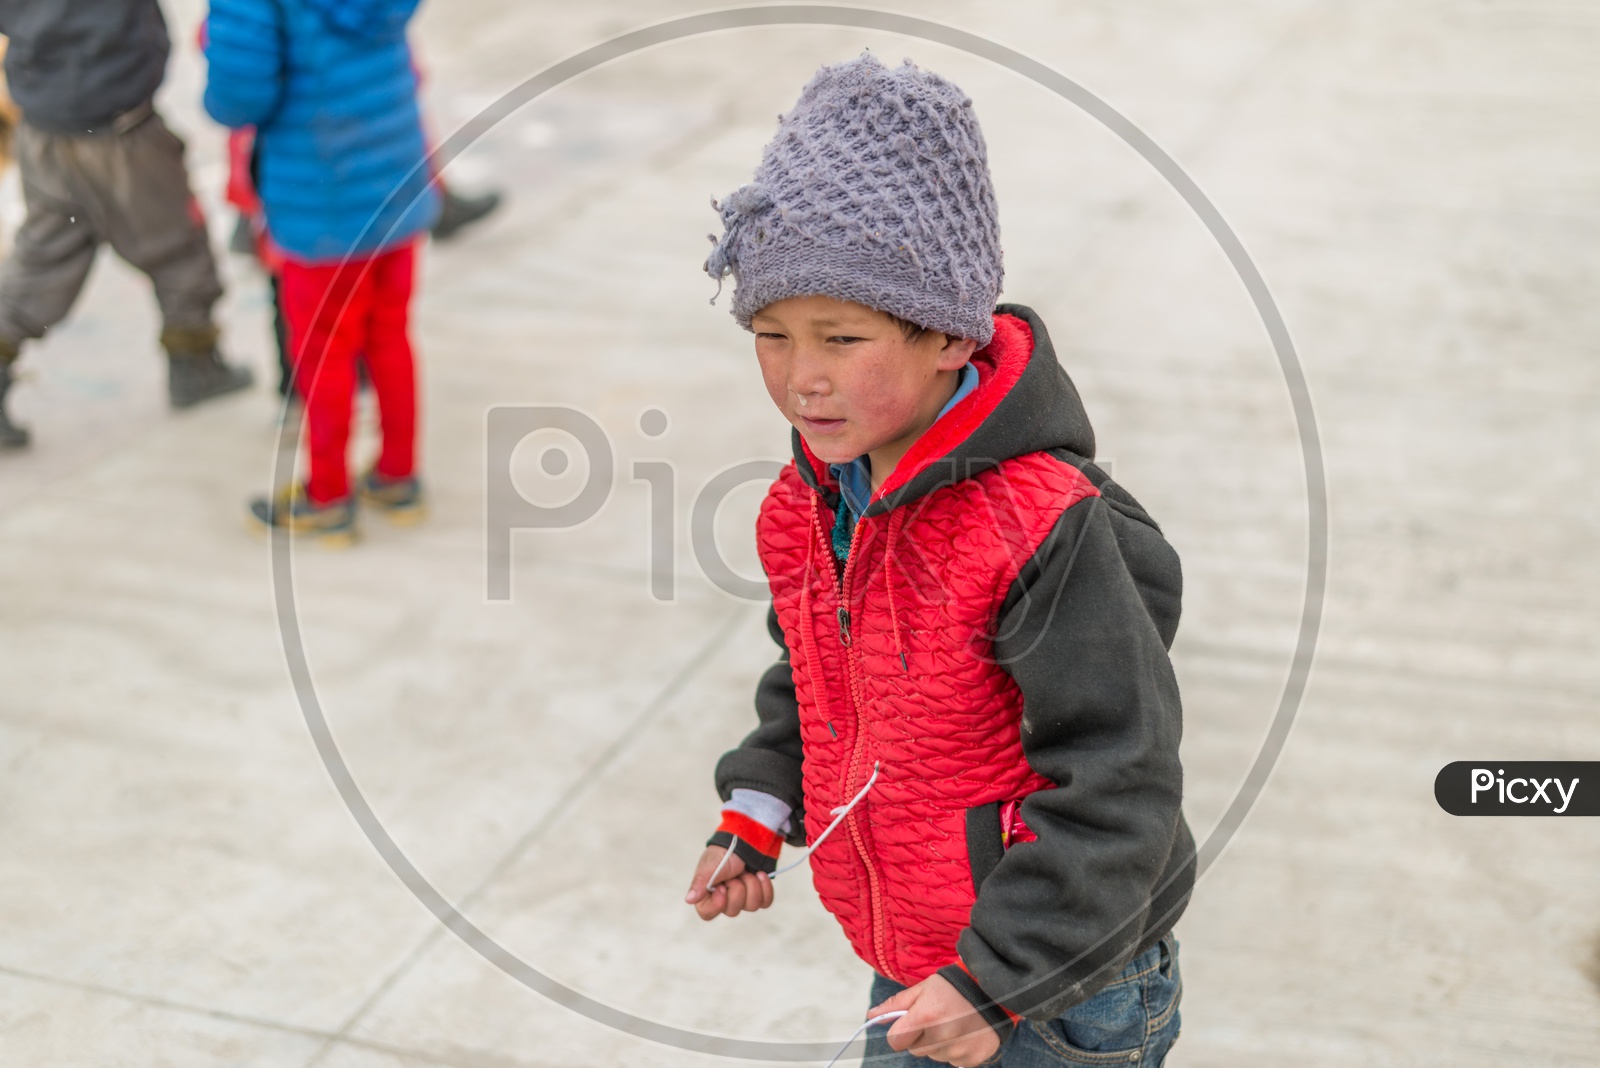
(956, 353)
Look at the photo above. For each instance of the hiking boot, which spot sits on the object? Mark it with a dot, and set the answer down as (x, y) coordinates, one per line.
(458, 211)
(332, 524)
(399, 499)
(195, 371)
(12, 436)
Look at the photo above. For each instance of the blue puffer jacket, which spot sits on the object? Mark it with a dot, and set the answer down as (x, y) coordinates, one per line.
(331, 90)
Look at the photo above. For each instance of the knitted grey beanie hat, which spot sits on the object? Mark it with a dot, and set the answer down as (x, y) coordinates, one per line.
(875, 190)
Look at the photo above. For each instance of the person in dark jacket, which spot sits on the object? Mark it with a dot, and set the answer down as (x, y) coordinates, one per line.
(974, 724)
(344, 184)
(100, 166)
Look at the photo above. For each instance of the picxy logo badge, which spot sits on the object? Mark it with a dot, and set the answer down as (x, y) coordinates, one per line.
(1519, 788)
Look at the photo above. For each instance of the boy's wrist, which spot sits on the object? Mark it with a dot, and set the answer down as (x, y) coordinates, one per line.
(754, 825)
(755, 859)
(996, 1015)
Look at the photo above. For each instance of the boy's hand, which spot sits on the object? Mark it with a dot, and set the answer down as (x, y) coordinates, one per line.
(735, 891)
(939, 1023)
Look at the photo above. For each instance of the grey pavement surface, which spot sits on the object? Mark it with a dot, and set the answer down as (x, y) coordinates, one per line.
(180, 883)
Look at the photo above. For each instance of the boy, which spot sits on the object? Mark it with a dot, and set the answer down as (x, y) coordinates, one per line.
(330, 88)
(974, 618)
(100, 167)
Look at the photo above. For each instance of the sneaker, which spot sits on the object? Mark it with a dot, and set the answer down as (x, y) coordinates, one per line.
(400, 499)
(193, 377)
(456, 212)
(12, 436)
(332, 524)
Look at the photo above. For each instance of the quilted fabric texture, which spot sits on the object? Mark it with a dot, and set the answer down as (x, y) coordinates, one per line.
(875, 190)
(911, 686)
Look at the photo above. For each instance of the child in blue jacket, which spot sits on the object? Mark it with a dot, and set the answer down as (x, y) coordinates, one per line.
(345, 185)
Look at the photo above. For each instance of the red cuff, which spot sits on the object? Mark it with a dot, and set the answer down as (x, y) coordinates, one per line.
(762, 839)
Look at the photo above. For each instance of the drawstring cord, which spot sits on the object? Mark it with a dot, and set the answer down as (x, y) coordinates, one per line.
(887, 1017)
(838, 817)
(712, 879)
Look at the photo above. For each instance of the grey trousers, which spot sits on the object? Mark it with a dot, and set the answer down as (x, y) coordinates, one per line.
(128, 189)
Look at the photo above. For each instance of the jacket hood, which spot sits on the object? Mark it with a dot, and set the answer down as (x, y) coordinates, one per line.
(375, 19)
(1024, 403)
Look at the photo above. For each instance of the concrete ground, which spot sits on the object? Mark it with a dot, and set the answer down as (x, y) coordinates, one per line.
(182, 884)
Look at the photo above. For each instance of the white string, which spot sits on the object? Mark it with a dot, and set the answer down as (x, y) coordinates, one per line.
(712, 881)
(838, 816)
(885, 1018)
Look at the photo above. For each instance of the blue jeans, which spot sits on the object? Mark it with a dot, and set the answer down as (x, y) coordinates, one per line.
(1133, 1020)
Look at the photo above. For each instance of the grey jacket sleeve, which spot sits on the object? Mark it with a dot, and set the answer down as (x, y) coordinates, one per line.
(1058, 918)
(769, 757)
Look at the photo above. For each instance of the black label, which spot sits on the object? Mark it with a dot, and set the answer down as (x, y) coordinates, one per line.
(1519, 788)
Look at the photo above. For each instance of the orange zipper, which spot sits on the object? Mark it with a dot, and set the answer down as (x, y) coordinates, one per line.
(853, 776)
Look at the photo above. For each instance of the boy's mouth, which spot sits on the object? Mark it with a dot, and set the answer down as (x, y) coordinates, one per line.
(821, 426)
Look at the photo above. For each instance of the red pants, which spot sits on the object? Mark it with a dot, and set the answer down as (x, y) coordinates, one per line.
(336, 314)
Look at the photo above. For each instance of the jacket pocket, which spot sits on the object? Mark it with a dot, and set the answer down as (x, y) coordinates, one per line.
(984, 844)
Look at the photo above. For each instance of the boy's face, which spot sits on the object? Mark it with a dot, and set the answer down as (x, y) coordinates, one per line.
(848, 379)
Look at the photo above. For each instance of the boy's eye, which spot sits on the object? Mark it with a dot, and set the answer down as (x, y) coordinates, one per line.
(844, 339)
(769, 336)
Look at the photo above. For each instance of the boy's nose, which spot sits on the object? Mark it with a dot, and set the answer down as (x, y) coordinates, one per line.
(809, 381)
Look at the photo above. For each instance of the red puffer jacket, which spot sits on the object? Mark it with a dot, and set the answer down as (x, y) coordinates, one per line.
(998, 633)
(894, 668)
